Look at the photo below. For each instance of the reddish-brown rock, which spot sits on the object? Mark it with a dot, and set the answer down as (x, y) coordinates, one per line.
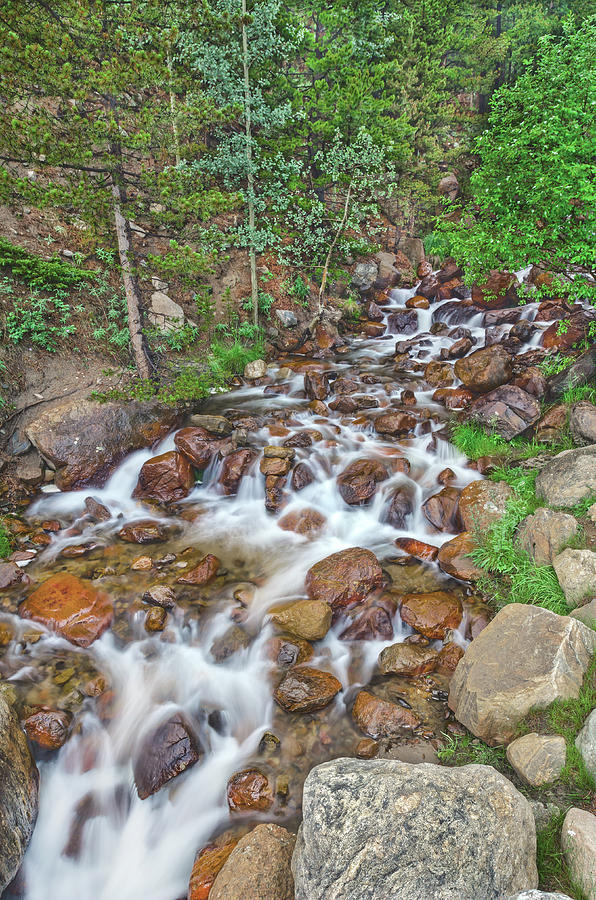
(433, 614)
(12, 575)
(417, 549)
(303, 521)
(249, 791)
(483, 502)
(316, 385)
(417, 302)
(302, 476)
(207, 865)
(454, 558)
(166, 478)
(381, 718)
(144, 531)
(202, 573)
(305, 689)
(507, 410)
(532, 381)
(72, 608)
(269, 466)
(97, 510)
(553, 423)
(401, 504)
(442, 510)
(407, 659)
(439, 374)
(405, 321)
(370, 624)
(235, 466)
(344, 578)
(449, 656)
(498, 292)
(198, 445)
(165, 752)
(357, 484)
(48, 728)
(485, 369)
(556, 338)
(394, 423)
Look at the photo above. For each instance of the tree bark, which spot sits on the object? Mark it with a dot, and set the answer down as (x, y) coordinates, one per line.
(173, 106)
(249, 173)
(339, 230)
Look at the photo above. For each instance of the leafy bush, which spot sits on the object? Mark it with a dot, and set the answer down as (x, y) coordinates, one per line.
(31, 319)
(5, 542)
(41, 273)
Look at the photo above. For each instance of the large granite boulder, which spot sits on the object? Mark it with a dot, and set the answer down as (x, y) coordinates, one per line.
(508, 410)
(544, 533)
(258, 868)
(576, 571)
(586, 743)
(18, 792)
(527, 656)
(483, 502)
(569, 477)
(83, 440)
(384, 828)
(582, 423)
(537, 758)
(578, 838)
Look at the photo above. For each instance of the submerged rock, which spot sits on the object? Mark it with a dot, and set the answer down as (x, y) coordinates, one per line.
(145, 531)
(384, 828)
(248, 791)
(164, 753)
(526, 657)
(18, 793)
(381, 718)
(204, 572)
(71, 607)
(407, 659)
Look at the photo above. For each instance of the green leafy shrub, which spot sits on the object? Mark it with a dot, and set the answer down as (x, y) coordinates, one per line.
(41, 273)
(5, 542)
(32, 319)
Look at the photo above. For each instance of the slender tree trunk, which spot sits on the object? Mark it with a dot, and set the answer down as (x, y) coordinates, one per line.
(173, 107)
(338, 232)
(249, 173)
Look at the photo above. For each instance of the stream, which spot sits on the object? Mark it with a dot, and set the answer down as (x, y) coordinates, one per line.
(215, 659)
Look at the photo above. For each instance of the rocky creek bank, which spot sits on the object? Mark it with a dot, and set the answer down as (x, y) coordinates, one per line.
(274, 608)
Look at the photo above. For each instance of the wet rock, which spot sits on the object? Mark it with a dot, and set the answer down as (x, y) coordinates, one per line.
(442, 510)
(552, 424)
(269, 466)
(507, 410)
(370, 624)
(275, 497)
(160, 595)
(198, 445)
(316, 385)
(97, 510)
(454, 558)
(249, 791)
(18, 792)
(286, 650)
(74, 551)
(308, 619)
(429, 287)
(582, 371)
(202, 573)
(417, 302)
(448, 658)
(554, 338)
(394, 423)
(344, 578)
(305, 689)
(156, 619)
(144, 531)
(165, 752)
(300, 439)
(258, 868)
(576, 571)
(230, 642)
(407, 659)
(586, 743)
(501, 676)
(367, 748)
(306, 521)
(235, 466)
(401, 505)
(208, 863)
(416, 548)
(48, 728)
(439, 374)
(403, 322)
(433, 614)
(498, 291)
(166, 478)
(457, 349)
(486, 369)
(582, 423)
(578, 838)
(357, 483)
(84, 440)
(72, 608)
(543, 534)
(381, 718)
(453, 398)
(569, 477)
(373, 312)
(12, 575)
(537, 758)
(483, 502)
(385, 828)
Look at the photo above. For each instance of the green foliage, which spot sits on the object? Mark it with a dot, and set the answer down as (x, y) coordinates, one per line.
(298, 289)
(265, 300)
(32, 319)
(475, 442)
(534, 195)
(579, 392)
(465, 749)
(580, 509)
(40, 273)
(5, 542)
(553, 365)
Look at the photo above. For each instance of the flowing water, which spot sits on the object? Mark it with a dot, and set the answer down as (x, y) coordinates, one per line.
(115, 846)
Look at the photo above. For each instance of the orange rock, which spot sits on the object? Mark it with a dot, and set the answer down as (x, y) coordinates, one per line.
(433, 613)
(454, 558)
(417, 302)
(48, 728)
(418, 549)
(71, 607)
(249, 790)
(207, 866)
(381, 718)
(203, 573)
(166, 478)
(448, 658)
(303, 521)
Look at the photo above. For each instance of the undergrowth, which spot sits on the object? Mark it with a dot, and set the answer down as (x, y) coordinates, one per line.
(5, 542)
(474, 441)
(40, 273)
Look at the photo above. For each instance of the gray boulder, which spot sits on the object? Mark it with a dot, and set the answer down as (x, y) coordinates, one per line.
(287, 318)
(397, 831)
(578, 838)
(586, 614)
(569, 477)
(527, 656)
(18, 793)
(582, 423)
(586, 743)
(537, 895)
(576, 571)
(543, 534)
(258, 867)
(164, 312)
(365, 275)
